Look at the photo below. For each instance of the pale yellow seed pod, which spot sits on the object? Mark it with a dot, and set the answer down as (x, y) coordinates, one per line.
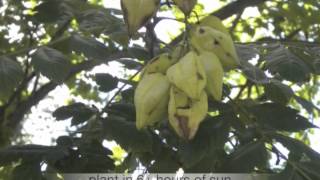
(215, 23)
(159, 64)
(151, 99)
(205, 38)
(214, 73)
(186, 114)
(188, 75)
(137, 12)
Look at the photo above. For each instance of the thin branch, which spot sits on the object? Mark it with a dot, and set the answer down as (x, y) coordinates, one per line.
(119, 91)
(18, 90)
(236, 21)
(35, 85)
(24, 107)
(242, 88)
(227, 11)
(278, 152)
(292, 34)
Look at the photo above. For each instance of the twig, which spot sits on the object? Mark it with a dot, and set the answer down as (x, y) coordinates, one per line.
(18, 90)
(242, 88)
(35, 85)
(227, 11)
(119, 91)
(236, 21)
(279, 153)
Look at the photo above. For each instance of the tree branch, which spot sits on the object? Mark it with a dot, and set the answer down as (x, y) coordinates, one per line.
(227, 11)
(16, 117)
(236, 7)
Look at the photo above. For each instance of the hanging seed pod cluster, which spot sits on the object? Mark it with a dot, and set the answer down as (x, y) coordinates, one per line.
(177, 85)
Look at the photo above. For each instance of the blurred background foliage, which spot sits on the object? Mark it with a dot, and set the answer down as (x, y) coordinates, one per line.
(270, 105)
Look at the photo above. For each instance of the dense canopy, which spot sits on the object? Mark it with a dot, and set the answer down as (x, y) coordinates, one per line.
(269, 103)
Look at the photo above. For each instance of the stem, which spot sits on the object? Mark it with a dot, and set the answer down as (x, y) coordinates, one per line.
(278, 152)
(119, 90)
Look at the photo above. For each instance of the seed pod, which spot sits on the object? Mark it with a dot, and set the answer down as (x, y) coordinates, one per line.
(151, 100)
(159, 64)
(137, 12)
(215, 23)
(186, 114)
(188, 75)
(205, 38)
(214, 73)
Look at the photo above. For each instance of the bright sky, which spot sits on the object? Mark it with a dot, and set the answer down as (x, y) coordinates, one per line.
(40, 119)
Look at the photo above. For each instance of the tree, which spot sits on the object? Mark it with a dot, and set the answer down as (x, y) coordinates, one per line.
(270, 102)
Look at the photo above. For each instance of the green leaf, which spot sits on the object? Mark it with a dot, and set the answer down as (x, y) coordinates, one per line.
(64, 141)
(85, 89)
(311, 168)
(97, 21)
(298, 169)
(130, 64)
(296, 146)
(120, 36)
(106, 82)
(129, 164)
(126, 134)
(164, 163)
(280, 117)
(96, 157)
(281, 60)
(253, 73)
(278, 92)
(63, 45)
(139, 53)
(125, 110)
(11, 74)
(207, 150)
(193, 152)
(48, 11)
(246, 157)
(77, 111)
(316, 65)
(288, 173)
(307, 105)
(247, 52)
(27, 171)
(209, 163)
(29, 152)
(90, 47)
(51, 63)
(211, 136)
(128, 94)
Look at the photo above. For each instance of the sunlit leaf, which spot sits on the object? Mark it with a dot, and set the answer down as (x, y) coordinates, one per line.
(288, 65)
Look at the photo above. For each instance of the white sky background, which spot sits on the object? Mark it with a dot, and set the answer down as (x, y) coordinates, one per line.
(43, 128)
